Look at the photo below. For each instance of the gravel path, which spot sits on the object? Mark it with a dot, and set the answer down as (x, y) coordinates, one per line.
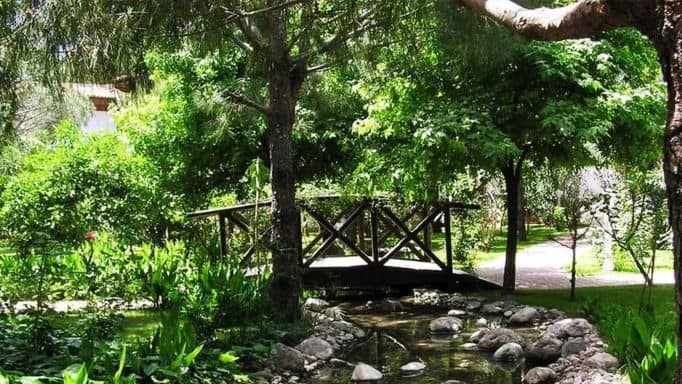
(542, 267)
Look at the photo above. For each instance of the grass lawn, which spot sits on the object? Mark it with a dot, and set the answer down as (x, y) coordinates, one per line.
(589, 264)
(663, 298)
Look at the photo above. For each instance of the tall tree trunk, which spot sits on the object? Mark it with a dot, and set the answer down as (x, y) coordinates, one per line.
(286, 284)
(523, 235)
(670, 51)
(512, 178)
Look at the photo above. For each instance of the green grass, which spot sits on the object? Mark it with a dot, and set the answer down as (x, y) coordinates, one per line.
(663, 298)
(587, 264)
(623, 262)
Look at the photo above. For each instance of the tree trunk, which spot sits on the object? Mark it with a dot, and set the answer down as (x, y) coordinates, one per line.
(512, 178)
(286, 283)
(670, 51)
(574, 245)
(523, 235)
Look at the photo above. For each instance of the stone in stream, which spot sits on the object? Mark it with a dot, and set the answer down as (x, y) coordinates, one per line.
(497, 337)
(573, 347)
(289, 358)
(412, 368)
(509, 352)
(314, 346)
(569, 328)
(540, 375)
(388, 306)
(546, 349)
(478, 335)
(445, 325)
(456, 312)
(524, 316)
(603, 360)
(365, 373)
(482, 322)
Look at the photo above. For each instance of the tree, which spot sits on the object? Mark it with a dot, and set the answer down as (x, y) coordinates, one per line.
(285, 41)
(576, 202)
(553, 103)
(661, 22)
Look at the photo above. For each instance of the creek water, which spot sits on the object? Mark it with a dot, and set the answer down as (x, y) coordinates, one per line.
(396, 339)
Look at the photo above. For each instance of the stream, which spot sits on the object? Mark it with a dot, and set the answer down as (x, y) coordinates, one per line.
(398, 338)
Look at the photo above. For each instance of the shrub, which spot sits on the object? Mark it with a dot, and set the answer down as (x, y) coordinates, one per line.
(70, 184)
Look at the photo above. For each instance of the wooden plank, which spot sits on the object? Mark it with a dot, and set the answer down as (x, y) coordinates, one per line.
(328, 241)
(238, 220)
(223, 237)
(394, 229)
(412, 235)
(448, 239)
(252, 249)
(337, 234)
(319, 236)
(374, 232)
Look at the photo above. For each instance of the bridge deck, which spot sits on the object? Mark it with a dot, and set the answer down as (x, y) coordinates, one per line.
(352, 272)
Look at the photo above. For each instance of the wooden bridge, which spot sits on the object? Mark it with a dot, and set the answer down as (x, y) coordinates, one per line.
(367, 245)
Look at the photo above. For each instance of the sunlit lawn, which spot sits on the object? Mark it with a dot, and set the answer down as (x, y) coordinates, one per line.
(663, 298)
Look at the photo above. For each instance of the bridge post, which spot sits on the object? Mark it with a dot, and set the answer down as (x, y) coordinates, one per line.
(448, 240)
(223, 237)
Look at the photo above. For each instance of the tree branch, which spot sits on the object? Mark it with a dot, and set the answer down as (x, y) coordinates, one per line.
(579, 20)
(242, 99)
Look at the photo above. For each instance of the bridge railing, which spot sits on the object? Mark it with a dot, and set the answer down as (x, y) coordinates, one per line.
(380, 232)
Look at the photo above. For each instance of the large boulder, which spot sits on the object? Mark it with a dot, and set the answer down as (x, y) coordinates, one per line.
(524, 316)
(509, 352)
(478, 335)
(445, 325)
(495, 308)
(365, 373)
(546, 349)
(289, 359)
(569, 328)
(497, 337)
(314, 346)
(540, 375)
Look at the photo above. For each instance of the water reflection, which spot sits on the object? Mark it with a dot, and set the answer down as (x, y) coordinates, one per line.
(397, 339)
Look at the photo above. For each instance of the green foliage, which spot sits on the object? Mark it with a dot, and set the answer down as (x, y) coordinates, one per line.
(70, 184)
(196, 142)
(646, 342)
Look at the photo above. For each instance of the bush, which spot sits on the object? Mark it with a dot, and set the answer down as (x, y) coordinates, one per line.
(70, 184)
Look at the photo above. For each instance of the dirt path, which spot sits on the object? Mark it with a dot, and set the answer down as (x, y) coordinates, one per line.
(542, 267)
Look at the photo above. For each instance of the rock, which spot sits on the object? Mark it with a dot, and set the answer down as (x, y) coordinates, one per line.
(315, 305)
(364, 372)
(546, 349)
(509, 352)
(524, 316)
(288, 358)
(445, 325)
(469, 346)
(340, 363)
(482, 322)
(359, 334)
(456, 313)
(412, 368)
(540, 375)
(476, 336)
(497, 337)
(569, 328)
(573, 347)
(507, 313)
(454, 382)
(473, 306)
(314, 346)
(603, 360)
(492, 309)
(388, 306)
